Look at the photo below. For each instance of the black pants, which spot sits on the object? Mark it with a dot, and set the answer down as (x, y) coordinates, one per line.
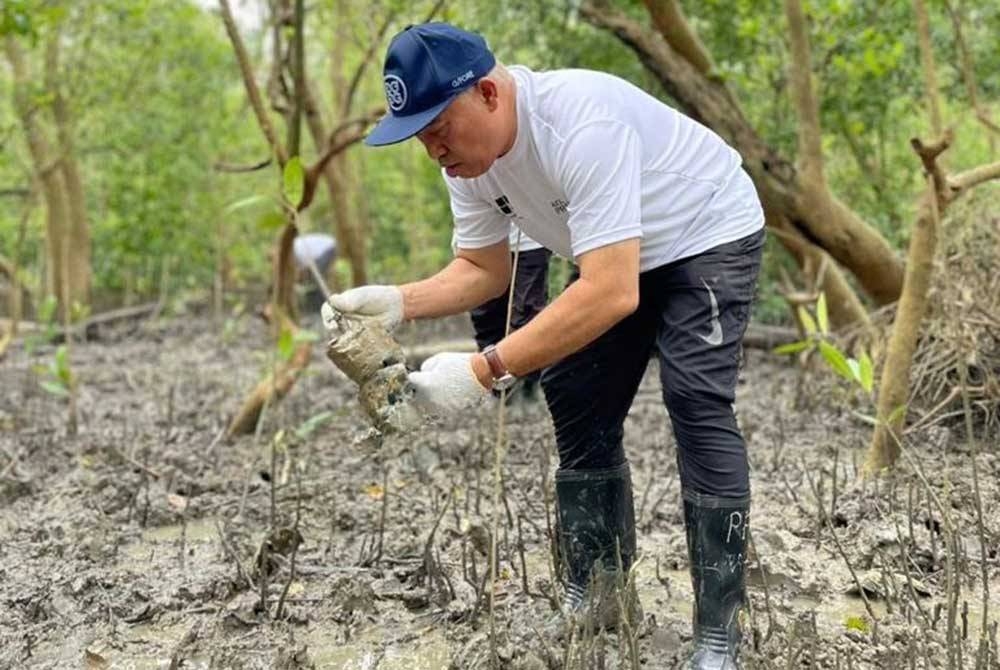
(694, 311)
(531, 294)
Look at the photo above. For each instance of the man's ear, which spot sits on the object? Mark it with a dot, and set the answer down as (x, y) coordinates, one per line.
(489, 92)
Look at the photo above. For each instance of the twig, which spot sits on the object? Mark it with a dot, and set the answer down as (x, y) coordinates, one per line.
(295, 545)
(973, 454)
(253, 92)
(840, 549)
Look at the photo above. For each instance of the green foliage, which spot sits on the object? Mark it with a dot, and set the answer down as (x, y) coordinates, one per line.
(293, 182)
(57, 377)
(157, 101)
(817, 326)
(856, 623)
(16, 19)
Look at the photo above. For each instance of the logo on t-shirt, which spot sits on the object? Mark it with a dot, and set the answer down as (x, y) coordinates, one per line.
(560, 206)
(504, 204)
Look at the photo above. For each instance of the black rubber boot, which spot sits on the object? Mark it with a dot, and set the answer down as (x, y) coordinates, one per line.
(597, 544)
(716, 539)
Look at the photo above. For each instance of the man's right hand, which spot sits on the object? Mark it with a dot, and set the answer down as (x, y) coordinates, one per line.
(382, 302)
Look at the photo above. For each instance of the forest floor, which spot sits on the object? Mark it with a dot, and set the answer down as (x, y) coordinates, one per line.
(137, 542)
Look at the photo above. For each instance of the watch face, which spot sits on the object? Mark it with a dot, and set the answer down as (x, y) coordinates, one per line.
(504, 383)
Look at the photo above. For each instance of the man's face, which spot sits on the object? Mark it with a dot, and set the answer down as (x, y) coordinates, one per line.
(461, 138)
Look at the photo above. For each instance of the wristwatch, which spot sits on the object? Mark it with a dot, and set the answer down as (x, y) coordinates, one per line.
(502, 378)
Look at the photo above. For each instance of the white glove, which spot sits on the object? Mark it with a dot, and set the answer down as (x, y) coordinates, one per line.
(382, 302)
(446, 384)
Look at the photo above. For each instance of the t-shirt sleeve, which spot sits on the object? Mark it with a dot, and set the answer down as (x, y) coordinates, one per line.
(477, 222)
(599, 167)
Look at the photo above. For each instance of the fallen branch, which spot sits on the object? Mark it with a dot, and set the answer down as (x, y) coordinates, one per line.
(272, 388)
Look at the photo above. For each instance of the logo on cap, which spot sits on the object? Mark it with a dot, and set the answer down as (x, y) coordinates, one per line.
(395, 92)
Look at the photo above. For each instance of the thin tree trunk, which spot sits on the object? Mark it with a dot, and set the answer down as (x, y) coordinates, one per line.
(969, 76)
(931, 94)
(894, 385)
(810, 208)
(78, 234)
(48, 174)
(337, 192)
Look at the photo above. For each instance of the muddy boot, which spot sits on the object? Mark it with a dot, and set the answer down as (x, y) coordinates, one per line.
(716, 539)
(596, 528)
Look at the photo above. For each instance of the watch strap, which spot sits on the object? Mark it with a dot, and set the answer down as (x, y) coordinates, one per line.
(497, 367)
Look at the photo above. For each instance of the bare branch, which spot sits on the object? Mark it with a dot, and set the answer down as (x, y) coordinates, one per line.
(929, 157)
(373, 44)
(930, 72)
(298, 80)
(220, 166)
(966, 180)
(810, 134)
(672, 24)
(253, 92)
(438, 6)
(346, 134)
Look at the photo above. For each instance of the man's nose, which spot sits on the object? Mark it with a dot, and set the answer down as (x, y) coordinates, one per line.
(434, 149)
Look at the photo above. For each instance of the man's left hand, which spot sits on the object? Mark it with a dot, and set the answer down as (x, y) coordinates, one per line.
(446, 384)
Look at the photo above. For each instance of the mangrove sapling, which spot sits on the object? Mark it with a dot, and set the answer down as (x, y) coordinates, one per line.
(372, 359)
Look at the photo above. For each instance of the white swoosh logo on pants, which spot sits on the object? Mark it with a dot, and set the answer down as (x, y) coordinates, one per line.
(715, 337)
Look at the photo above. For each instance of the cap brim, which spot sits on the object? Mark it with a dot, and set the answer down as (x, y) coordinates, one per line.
(392, 129)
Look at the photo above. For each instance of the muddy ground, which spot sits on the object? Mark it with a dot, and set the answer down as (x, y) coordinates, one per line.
(137, 543)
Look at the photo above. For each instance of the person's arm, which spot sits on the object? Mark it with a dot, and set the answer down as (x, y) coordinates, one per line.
(472, 278)
(606, 292)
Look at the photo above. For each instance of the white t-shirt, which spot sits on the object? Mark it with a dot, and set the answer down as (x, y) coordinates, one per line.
(598, 161)
(523, 243)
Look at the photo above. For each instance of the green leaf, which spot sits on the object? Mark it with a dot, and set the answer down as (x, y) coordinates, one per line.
(836, 360)
(311, 424)
(793, 347)
(821, 314)
(286, 344)
(294, 182)
(62, 361)
(270, 221)
(855, 369)
(867, 373)
(856, 623)
(55, 388)
(807, 320)
(246, 202)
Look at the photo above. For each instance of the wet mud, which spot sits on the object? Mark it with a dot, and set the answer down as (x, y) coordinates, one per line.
(147, 541)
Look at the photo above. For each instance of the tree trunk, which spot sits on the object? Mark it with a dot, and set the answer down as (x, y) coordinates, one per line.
(336, 189)
(808, 206)
(78, 235)
(894, 385)
(48, 175)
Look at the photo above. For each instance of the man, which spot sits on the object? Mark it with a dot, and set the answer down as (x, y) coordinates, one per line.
(531, 294)
(667, 232)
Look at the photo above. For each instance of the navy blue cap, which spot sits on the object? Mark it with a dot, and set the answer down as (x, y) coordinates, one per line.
(426, 67)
